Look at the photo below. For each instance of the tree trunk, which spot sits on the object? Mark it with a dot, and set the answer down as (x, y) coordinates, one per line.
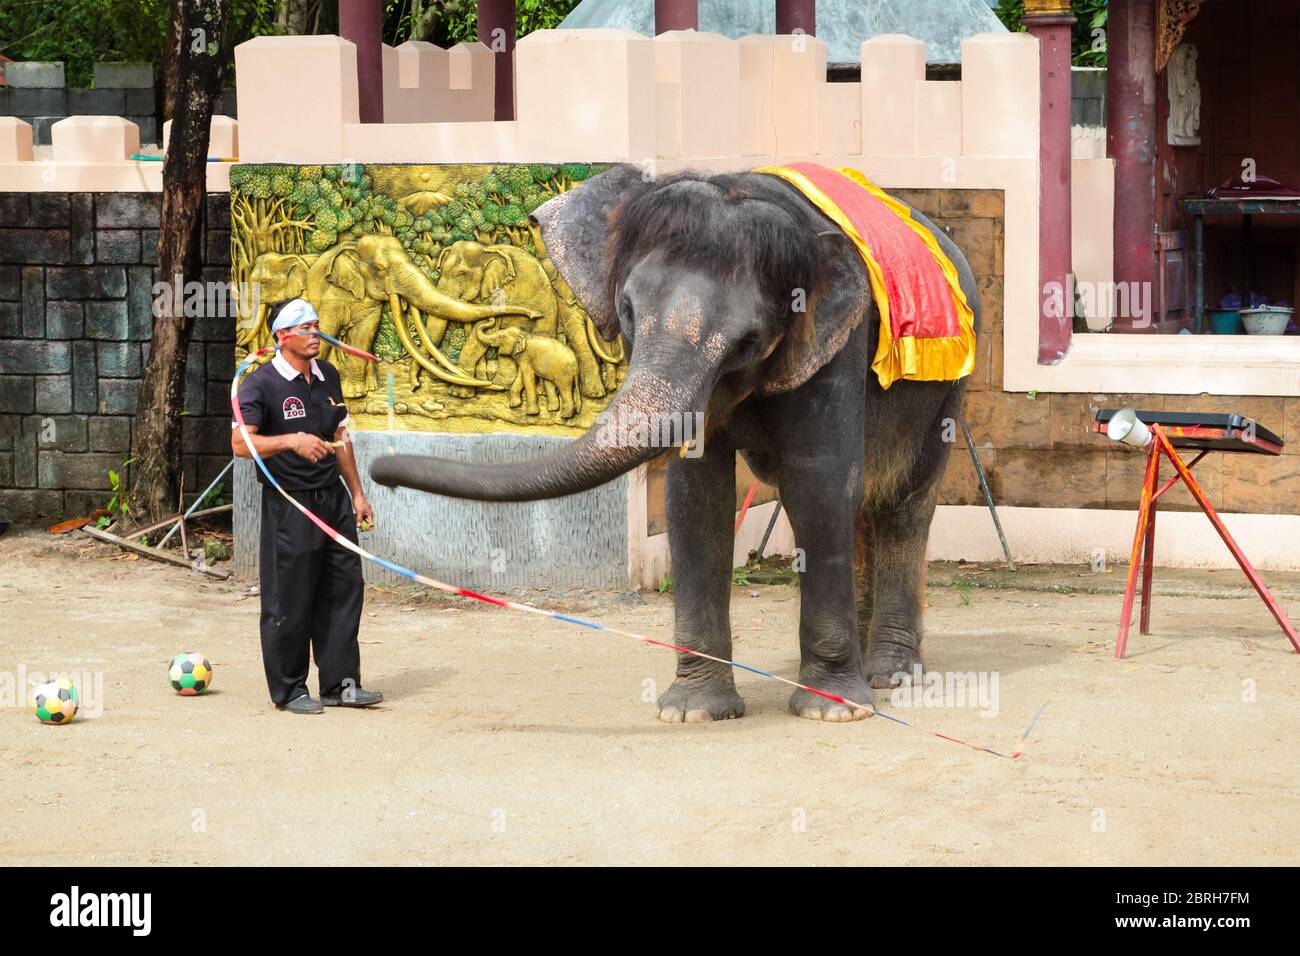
(157, 439)
(167, 88)
(291, 17)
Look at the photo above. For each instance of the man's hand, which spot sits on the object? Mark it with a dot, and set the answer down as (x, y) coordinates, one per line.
(311, 447)
(365, 514)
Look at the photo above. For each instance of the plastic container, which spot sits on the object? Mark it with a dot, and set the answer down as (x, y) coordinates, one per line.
(1225, 321)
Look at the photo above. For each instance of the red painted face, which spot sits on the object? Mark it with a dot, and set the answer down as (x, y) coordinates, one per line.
(298, 341)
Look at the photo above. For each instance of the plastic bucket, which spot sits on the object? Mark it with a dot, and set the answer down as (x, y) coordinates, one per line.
(1225, 321)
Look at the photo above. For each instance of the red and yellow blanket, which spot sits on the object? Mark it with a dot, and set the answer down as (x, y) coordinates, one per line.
(927, 329)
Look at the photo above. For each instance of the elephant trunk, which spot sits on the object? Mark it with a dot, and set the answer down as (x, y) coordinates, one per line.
(416, 288)
(487, 333)
(648, 409)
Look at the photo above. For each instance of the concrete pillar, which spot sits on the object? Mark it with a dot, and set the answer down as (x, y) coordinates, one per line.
(496, 29)
(362, 22)
(1131, 143)
(1050, 21)
(676, 15)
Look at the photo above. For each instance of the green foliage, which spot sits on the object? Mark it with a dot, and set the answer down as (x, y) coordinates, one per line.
(1091, 15)
(81, 33)
(120, 503)
(448, 22)
(666, 584)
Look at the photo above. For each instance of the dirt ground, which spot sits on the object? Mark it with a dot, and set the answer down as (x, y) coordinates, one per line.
(508, 740)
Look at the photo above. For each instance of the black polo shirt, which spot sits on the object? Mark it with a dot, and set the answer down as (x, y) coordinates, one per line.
(280, 401)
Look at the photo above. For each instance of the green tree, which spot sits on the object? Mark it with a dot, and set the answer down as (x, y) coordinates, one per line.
(1088, 47)
(448, 22)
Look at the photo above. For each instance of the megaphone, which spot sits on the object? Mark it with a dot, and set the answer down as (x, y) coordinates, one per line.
(1124, 426)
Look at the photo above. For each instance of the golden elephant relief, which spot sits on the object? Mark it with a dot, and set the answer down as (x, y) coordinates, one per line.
(436, 270)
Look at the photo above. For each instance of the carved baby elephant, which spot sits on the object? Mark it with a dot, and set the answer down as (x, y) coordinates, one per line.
(538, 356)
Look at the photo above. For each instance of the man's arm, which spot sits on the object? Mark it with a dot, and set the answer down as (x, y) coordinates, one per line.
(348, 468)
(309, 446)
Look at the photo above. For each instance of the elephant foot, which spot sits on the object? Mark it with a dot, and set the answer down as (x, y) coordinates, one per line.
(593, 387)
(460, 391)
(890, 665)
(697, 702)
(353, 391)
(516, 402)
(532, 410)
(810, 706)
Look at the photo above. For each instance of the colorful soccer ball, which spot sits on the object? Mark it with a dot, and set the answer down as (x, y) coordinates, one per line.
(190, 674)
(55, 702)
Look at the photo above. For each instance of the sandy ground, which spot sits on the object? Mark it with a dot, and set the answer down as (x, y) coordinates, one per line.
(511, 740)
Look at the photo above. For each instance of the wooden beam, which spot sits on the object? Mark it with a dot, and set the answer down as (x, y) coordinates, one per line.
(152, 553)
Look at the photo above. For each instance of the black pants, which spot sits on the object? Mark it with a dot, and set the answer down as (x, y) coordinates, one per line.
(311, 593)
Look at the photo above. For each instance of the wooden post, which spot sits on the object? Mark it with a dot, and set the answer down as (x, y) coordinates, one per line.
(362, 22)
(1131, 142)
(796, 16)
(496, 31)
(676, 15)
(1050, 21)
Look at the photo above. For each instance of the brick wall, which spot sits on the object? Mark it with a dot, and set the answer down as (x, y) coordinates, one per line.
(76, 279)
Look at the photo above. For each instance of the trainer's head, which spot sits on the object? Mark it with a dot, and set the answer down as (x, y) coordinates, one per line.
(292, 325)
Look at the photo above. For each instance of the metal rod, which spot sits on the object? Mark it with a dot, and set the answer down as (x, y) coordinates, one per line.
(230, 464)
(776, 513)
(984, 487)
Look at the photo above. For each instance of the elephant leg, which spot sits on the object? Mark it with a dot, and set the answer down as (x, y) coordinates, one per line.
(701, 501)
(575, 331)
(567, 409)
(822, 515)
(552, 396)
(900, 531)
(863, 576)
(820, 459)
(470, 354)
(415, 375)
(516, 387)
(530, 389)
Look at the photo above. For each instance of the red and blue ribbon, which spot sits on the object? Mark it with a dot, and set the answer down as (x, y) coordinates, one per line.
(418, 578)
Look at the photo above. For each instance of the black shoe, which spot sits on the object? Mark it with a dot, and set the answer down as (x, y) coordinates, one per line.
(304, 704)
(352, 697)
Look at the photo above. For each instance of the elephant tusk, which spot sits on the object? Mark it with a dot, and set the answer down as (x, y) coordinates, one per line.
(456, 377)
(596, 342)
(431, 347)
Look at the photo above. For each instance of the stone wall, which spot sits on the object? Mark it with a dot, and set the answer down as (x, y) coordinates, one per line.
(35, 92)
(76, 279)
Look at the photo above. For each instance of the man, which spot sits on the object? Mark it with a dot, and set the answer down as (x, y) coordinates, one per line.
(311, 587)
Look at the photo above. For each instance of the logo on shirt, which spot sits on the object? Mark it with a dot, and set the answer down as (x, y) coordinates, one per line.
(293, 408)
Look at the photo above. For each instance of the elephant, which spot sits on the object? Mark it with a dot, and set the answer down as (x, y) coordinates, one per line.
(348, 286)
(700, 274)
(537, 356)
(474, 272)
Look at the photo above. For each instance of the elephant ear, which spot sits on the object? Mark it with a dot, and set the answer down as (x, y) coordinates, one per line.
(521, 343)
(296, 277)
(345, 272)
(498, 270)
(835, 308)
(574, 227)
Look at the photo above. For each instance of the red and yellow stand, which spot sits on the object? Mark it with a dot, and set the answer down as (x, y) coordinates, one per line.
(1144, 538)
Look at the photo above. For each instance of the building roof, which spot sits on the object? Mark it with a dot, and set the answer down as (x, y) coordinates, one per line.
(841, 24)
